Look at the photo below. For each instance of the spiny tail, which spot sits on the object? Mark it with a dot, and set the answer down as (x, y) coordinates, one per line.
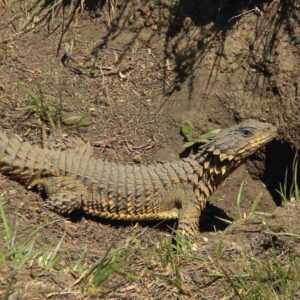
(22, 161)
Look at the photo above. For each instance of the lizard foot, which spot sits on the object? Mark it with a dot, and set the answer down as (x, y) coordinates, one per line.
(184, 242)
(58, 139)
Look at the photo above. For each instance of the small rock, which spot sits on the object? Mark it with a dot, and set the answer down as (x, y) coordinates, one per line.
(154, 27)
(137, 159)
(205, 240)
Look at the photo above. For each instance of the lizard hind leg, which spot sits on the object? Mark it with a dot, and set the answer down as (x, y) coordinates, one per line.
(64, 195)
(59, 140)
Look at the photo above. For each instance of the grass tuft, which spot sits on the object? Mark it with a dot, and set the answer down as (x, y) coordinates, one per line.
(273, 277)
(292, 192)
(18, 253)
(41, 109)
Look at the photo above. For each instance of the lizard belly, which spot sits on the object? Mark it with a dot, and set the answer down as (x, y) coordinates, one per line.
(162, 215)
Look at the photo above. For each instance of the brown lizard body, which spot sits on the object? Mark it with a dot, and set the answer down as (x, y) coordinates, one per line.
(73, 179)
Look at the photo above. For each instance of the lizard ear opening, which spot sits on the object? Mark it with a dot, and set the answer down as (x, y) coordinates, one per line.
(178, 204)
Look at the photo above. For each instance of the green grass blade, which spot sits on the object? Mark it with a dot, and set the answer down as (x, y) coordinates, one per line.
(238, 201)
(255, 203)
(7, 229)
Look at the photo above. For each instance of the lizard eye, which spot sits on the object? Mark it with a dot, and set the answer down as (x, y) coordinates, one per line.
(246, 132)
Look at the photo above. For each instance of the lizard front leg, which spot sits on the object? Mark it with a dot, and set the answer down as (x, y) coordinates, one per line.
(189, 216)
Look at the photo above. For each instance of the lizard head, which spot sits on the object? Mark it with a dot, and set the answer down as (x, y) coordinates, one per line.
(233, 145)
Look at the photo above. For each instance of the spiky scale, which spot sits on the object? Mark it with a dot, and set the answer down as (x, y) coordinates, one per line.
(138, 181)
(203, 189)
(103, 179)
(121, 186)
(130, 182)
(162, 173)
(112, 179)
(156, 182)
(179, 170)
(174, 179)
(147, 182)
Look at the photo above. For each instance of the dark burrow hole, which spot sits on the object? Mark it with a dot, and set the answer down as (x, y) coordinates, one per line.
(211, 219)
(279, 170)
